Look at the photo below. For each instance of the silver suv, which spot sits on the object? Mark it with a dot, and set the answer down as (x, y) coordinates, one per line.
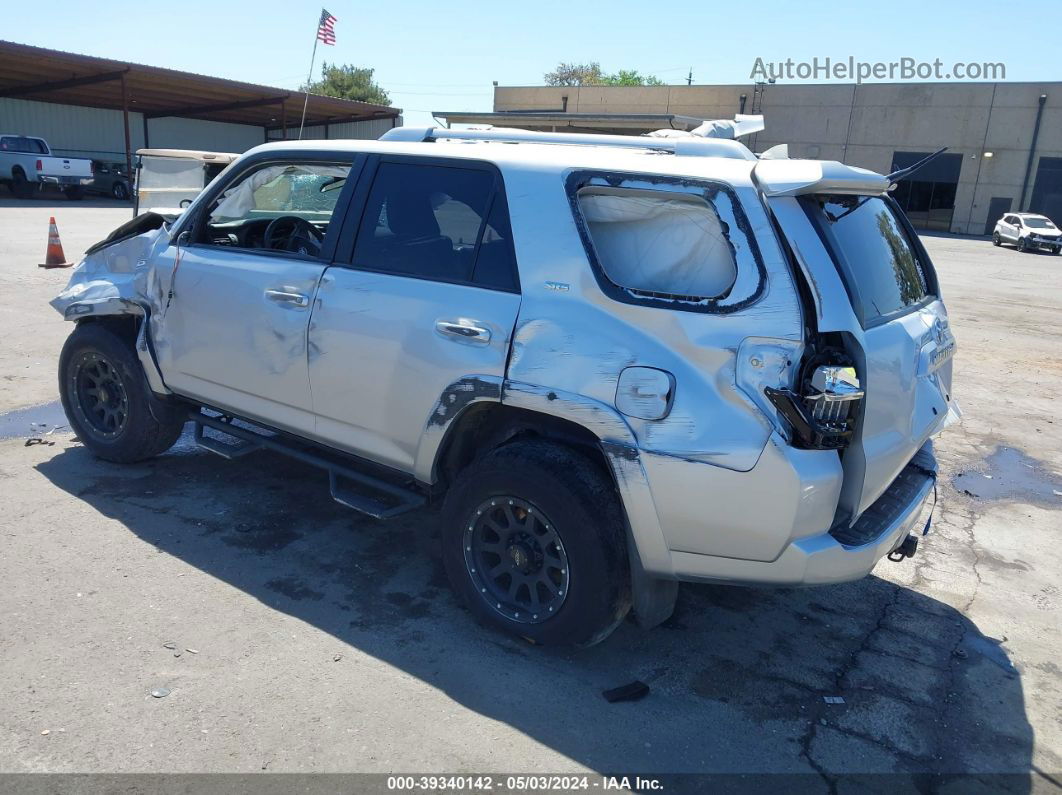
(613, 363)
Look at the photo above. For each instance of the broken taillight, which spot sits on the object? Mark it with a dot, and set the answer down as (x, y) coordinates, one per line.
(833, 393)
(823, 416)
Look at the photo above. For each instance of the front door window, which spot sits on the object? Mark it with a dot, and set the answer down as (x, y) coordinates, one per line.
(278, 206)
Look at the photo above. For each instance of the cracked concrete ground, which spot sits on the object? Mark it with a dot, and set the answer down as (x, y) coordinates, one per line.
(327, 642)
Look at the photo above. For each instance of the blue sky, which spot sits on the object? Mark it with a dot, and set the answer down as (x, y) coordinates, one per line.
(441, 55)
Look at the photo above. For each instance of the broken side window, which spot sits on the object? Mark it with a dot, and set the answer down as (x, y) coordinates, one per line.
(660, 242)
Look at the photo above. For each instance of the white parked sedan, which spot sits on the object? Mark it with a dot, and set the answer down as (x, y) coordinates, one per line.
(1028, 231)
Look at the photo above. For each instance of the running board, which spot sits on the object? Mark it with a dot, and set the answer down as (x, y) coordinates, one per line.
(224, 449)
(365, 493)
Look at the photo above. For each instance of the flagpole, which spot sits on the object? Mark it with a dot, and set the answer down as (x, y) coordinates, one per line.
(309, 78)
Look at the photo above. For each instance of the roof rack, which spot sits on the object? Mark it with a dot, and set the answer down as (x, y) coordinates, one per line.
(685, 147)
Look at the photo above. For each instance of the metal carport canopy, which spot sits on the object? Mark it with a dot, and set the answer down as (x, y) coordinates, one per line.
(68, 78)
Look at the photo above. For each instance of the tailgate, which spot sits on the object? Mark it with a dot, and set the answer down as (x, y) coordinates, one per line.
(65, 167)
(908, 388)
(875, 287)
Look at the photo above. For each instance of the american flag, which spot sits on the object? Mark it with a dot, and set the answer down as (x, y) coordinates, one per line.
(326, 28)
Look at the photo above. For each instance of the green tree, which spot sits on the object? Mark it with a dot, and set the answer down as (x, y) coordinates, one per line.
(348, 82)
(575, 74)
(590, 74)
(630, 77)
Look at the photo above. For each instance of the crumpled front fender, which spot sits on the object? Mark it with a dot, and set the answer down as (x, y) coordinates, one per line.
(117, 278)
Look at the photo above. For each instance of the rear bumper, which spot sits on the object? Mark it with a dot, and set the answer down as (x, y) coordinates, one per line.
(839, 554)
(64, 181)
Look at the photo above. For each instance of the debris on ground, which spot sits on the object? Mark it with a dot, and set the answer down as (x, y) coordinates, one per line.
(337, 658)
(192, 651)
(46, 732)
(833, 699)
(160, 692)
(630, 692)
(169, 645)
(40, 430)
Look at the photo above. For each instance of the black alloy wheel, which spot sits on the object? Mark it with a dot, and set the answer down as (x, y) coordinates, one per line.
(100, 398)
(516, 560)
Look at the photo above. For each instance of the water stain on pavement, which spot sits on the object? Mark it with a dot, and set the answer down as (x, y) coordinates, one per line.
(24, 423)
(1011, 474)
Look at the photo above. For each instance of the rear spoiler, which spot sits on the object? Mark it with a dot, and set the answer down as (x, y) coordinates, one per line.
(801, 177)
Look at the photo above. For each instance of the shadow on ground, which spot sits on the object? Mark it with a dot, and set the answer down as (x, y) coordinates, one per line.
(738, 676)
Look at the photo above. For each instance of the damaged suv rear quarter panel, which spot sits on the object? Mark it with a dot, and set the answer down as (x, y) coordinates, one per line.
(578, 340)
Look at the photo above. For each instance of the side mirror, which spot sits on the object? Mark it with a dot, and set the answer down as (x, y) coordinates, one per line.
(184, 239)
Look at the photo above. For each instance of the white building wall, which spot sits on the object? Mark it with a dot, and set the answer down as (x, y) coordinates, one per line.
(171, 132)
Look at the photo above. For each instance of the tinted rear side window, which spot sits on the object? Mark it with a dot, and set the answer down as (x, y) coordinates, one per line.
(436, 222)
(881, 266)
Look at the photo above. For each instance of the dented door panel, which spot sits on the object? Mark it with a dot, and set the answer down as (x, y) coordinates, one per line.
(378, 364)
(228, 337)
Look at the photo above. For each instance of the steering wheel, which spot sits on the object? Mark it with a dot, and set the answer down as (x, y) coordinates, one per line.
(294, 234)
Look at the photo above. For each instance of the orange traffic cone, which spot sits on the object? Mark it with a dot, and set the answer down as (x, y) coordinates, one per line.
(54, 258)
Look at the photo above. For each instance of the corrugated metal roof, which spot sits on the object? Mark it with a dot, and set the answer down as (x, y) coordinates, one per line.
(46, 75)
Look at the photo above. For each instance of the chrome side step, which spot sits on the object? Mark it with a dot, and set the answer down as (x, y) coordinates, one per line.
(363, 492)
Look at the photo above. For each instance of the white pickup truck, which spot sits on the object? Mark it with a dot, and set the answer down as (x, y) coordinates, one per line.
(27, 165)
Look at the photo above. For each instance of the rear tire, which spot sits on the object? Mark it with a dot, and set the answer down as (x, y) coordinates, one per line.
(107, 400)
(996, 240)
(75, 194)
(550, 521)
(20, 186)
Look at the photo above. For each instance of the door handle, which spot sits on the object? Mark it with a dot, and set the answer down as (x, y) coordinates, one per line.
(463, 330)
(285, 297)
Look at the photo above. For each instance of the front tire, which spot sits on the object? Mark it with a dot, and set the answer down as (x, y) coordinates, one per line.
(533, 542)
(119, 191)
(1022, 247)
(996, 240)
(107, 400)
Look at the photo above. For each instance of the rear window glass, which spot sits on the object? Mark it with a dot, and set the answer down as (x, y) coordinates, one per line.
(877, 260)
(660, 243)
